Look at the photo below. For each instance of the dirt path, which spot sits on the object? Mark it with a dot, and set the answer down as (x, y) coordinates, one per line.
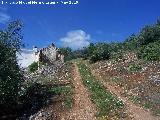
(83, 108)
(135, 112)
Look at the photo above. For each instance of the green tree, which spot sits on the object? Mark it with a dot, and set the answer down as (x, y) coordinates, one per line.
(100, 52)
(67, 52)
(88, 51)
(149, 40)
(33, 67)
(150, 52)
(150, 34)
(10, 76)
(91, 49)
(131, 43)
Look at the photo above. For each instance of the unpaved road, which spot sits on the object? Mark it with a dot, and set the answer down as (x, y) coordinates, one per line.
(135, 112)
(83, 108)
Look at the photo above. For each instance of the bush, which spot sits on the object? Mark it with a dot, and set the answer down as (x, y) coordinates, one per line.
(67, 52)
(33, 67)
(150, 52)
(101, 52)
(117, 56)
(10, 76)
(134, 68)
(149, 34)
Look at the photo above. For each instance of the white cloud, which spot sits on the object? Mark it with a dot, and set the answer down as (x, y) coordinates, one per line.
(4, 17)
(76, 39)
(26, 58)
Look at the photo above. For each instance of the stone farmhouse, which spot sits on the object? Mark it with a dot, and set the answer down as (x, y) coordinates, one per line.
(48, 55)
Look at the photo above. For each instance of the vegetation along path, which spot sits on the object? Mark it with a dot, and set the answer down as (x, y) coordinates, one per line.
(83, 108)
(136, 112)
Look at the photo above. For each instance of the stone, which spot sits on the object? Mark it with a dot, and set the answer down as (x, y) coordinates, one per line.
(48, 55)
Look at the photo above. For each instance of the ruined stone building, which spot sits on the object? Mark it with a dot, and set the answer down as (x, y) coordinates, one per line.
(48, 55)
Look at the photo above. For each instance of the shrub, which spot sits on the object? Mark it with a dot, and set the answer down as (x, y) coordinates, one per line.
(134, 68)
(10, 76)
(150, 52)
(33, 67)
(101, 52)
(117, 56)
(149, 34)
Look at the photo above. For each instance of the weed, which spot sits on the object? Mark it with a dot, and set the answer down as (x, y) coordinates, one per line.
(135, 99)
(66, 91)
(134, 68)
(156, 112)
(105, 101)
(118, 80)
(147, 105)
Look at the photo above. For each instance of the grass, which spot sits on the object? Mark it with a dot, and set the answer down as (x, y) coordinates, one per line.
(156, 112)
(70, 65)
(134, 68)
(118, 80)
(66, 91)
(135, 99)
(105, 101)
(145, 104)
(69, 94)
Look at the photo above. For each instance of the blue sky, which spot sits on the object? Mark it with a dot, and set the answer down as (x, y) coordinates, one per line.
(78, 25)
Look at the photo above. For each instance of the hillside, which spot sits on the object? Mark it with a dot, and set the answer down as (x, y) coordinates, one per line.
(103, 81)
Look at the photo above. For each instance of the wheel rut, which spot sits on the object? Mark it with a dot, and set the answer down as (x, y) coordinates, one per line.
(83, 108)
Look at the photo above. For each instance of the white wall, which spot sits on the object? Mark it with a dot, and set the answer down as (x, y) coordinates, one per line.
(26, 57)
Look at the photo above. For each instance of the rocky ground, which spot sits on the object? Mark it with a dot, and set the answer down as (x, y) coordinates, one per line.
(46, 93)
(56, 92)
(137, 80)
(83, 108)
(133, 86)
